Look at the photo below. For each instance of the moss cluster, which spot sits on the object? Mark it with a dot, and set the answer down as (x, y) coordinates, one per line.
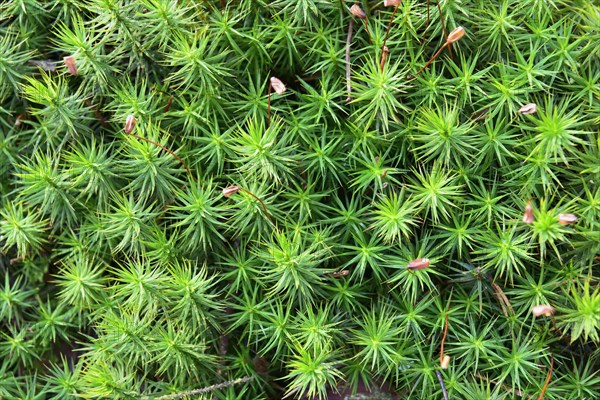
(255, 199)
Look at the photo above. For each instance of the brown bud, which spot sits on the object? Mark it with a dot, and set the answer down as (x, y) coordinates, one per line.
(567, 219)
(230, 191)
(277, 85)
(71, 66)
(388, 3)
(528, 214)
(417, 264)
(456, 35)
(357, 11)
(445, 362)
(130, 123)
(544, 309)
(528, 109)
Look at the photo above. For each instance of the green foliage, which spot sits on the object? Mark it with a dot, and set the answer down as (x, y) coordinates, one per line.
(329, 237)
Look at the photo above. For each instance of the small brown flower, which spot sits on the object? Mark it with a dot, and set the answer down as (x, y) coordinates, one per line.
(388, 3)
(417, 264)
(230, 191)
(544, 309)
(528, 109)
(528, 214)
(130, 123)
(566, 219)
(357, 11)
(277, 85)
(456, 35)
(445, 362)
(71, 65)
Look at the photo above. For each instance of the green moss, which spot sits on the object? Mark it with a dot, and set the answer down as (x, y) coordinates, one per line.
(374, 212)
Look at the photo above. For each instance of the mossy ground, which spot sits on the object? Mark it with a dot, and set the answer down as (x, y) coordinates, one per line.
(127, 272)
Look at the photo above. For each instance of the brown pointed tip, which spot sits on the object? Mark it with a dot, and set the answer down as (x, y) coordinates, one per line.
(357, 11)
(528, 214)
(543, 309)
(277, 85)
(456, 35)
(71, 65)
(528, 109)
(130, 123)
(567, 219)
(417, 264)
(230, 191)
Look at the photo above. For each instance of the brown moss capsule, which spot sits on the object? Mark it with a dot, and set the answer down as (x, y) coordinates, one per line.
(357, 11)
(543, 309)
(230, 191)
(130, 123)
(528, 109)
(417, 264)
(456, 35)
(71, 66)
(528, 214)
(567, 219)
(389, 3)
(277, 85)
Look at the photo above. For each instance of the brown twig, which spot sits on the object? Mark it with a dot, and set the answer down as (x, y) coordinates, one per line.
(165, 149)
(548, 378)
(387, 32)
(444, 392)
(207, 389)
(348, 66)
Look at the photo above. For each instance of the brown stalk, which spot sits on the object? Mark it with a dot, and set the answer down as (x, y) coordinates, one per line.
(165, 149)
(387, 32)
(454, 36)
(443, 341)
(548, 378)
(231, 190)
(261, 203)
(432, 58)
(443, 24)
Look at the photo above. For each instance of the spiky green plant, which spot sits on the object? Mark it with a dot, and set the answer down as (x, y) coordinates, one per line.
(254, 199)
